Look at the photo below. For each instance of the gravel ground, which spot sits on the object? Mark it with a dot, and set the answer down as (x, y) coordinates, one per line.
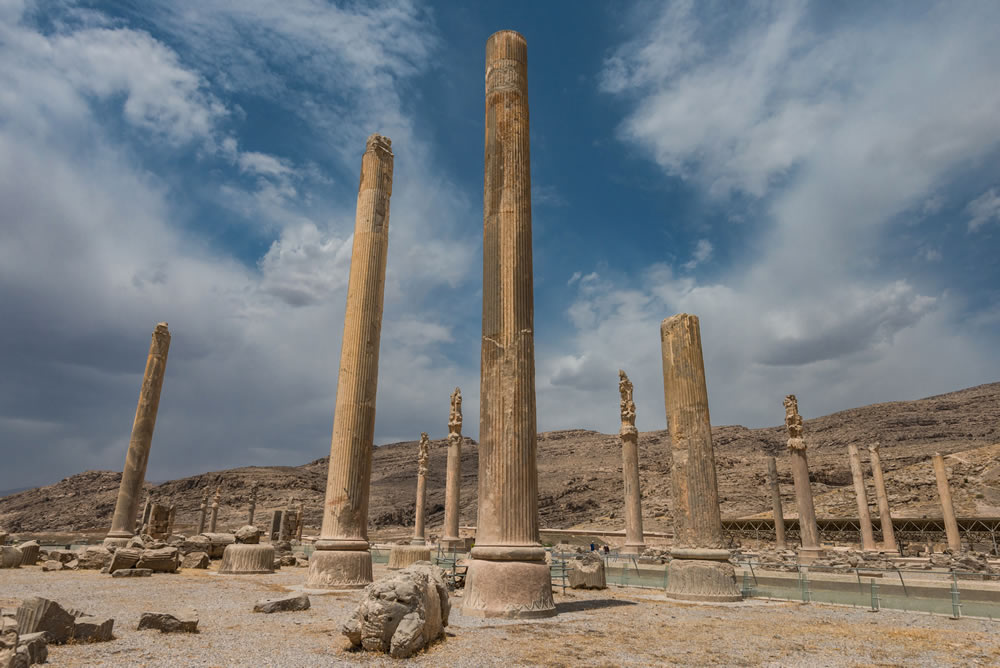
(627, 627)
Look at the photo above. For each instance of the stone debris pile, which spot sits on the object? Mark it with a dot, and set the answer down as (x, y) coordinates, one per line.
(37, 615)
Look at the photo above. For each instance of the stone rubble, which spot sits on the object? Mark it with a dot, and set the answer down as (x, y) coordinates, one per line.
(196, 560)
(132, 573)
(182, 621)
(289, 603)
(588, 572)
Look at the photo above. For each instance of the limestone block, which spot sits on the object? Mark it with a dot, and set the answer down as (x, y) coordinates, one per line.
(10, 557)
(287, 560)
(247, 559)
(248, 535)
(288, 603)
(51, 565)
(163, 560)
(35, 646)
(29, 552)
(196, 544)
(402, 614)
(124, 557)
(38, 614)
(182, 621)
(218, 543)
(72, 565)
(93, 629)
(132, 573)
(402, 556)
(702, 580)
(196, 560)
(588, 572)
(94, 557)
(65, 556)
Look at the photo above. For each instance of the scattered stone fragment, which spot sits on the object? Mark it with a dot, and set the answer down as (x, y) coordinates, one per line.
(52, 565)
(196, 544)
(287, 560)
(93, 629)
(29, 552)
(124, 557)
(161, 560)
(41, 614)
(132, 573)
(183, 621)
(94, 558)
(35, 646)
(288, 603)
(196, 560)
(588, 572)
(248, 535)
(10, 557)
(72, 565)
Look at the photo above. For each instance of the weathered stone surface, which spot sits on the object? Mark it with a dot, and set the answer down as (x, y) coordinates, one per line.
(93, 629)
(124, 557)
(37, 614)
(196, 560)
(702, 580)
(423, 453)
(181, 621)
(588, 572)
(947, 505)
(35, 646)
(72, 565)
(808, 530)
(777, 513)
(52, 565)
(218, 543)
(248, 535)
(402, 556)
(287, 560)
(247, 559)
(64, 556)
(196, 544)
(163, 560)
(634, 543)
(132, 573)
(453, 486)
(289, 603)
(882, 498)
(402, 614)
(861, 497)
(10, 556)
(94, 558)
(29, 552)
(12, 658)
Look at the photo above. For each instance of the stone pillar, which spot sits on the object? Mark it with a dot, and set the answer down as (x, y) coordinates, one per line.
(776, 511)
(423, 454)
(453, 489)
(299, 519)
(888, 535)
(215, 511)
(634, 543)
(342, 559)
(947, 506)
(204, 509)
(700, 568)
(808, 531)
(864, 517)
(508, 576)
(127, 506)
(144, 517)
(253, 504)
(277, 518)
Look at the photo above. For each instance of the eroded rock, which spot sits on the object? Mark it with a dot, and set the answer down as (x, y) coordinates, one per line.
(38, 614)
(160, 560)
(93, 629)
(181, 621)
(94, 557)
(196, 560)
(288, 603)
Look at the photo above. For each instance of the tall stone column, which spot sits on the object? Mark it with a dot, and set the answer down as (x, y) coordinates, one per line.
(779, 515)
(508, 576)
(253, 503)
(700, 568)
(144, 517)
(204, 509)
(342, 559)
(453, 488)
(215, 511)
(634, 543)
(423, 454)
(134, 473)
(864, 517)
(299, 521)
(882, 497)
(808, 530)
(947, 506)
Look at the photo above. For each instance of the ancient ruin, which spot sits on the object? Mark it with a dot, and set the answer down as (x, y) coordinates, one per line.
(342, 558)
(134, 473)
(453, 487)
(203, 509)
(776, 510)
(402, 556)
(947, 506)
(215, 510)
(882, 497)
(808, 531)
(634, 543)
(253, 504)
(864, 517)
(700, 568)
(247, 556)
(508, 576)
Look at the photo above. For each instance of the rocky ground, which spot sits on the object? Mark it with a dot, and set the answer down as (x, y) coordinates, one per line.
(610, 627)
(580, 479)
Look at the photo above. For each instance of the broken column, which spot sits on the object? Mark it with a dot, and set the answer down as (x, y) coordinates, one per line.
(634, 543)
(947, 506)
(402, 556)
(864, 517)
(508, 576)
(277, 519)
(776, 511)
(700, 568)
(888, 535)
(808, 530)
(215, 511)
(203, 508)
(253, 504)
(299, 519)
(134, 473)
(453, 487)
(342, 558)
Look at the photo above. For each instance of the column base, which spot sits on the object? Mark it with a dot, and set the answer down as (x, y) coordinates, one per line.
(339, 569)
(418, 541)
(402, 556)
(247, 559)
(510, 589)
(117, 540)
(702, 575)
(807, 555)
(633, 548)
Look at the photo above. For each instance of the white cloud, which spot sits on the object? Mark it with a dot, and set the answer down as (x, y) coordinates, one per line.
(984, 209)
(702, 252)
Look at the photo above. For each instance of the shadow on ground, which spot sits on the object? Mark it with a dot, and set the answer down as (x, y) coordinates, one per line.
(593, 604)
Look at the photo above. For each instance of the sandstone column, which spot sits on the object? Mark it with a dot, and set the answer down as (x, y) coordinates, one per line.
(888, 535)
(423, 454)
(127, 506)
(700, 568)
(204, 509)
(253, 503)
(776, 510)
(864, 517)
(342, 558)
(299, 520)
(453, 489)
(215, 510)
(144, 517)
(630, 468)
(947, 506)
(808, 531)
(508, 576)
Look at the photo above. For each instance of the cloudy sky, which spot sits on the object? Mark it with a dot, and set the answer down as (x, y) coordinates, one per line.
(820, 183)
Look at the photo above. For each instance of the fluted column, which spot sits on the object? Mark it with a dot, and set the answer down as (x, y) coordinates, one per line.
(342, 558)
(253, 504)
(508, 575)
(423, 454)
(776, 510)
(137, 456)
(947, 506)
(634, 542)
(808, 530)
(453, 486)
(700, 569)
(215, 511)
(882, 497)
(864, 516)
(204, 510)
(299, 521)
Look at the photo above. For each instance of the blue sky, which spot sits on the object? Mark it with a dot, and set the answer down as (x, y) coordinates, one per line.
(819, 184)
